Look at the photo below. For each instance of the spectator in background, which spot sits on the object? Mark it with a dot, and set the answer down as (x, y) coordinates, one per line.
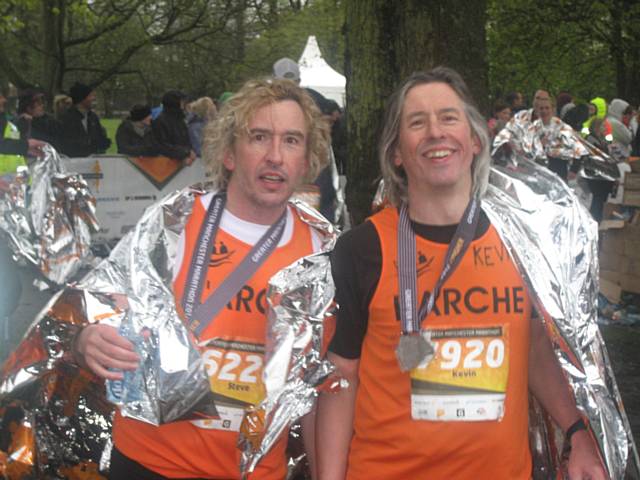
(202, 111)
(515, 100)
(635, 146)
(597, 135)
(576, 116)
(134, 136)
(543, 112)
(61, 103)
(338, 134)
(13, 151)
(600, 189)
(597, 109)
(327, 178)
(81, 132)
(156, 111)
(287, 69)
(170, 129)
(33, 121)
(501, 115)
(562, 100)
(619, 117)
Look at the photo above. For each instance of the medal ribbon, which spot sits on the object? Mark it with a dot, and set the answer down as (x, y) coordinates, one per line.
(200, 315)
(410, 318)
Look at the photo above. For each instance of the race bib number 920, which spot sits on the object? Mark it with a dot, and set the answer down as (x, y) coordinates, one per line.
(466, 380)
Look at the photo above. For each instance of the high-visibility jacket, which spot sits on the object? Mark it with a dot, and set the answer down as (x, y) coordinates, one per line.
(10, 163)
(601, 113)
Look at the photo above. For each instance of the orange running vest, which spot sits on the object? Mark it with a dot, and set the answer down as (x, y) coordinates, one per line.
(182, 449)
(485, 290)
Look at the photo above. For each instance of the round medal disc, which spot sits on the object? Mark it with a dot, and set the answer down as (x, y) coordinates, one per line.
(412, 350)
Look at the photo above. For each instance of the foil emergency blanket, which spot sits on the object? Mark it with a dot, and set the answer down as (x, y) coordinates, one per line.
(524, 138)
(51, 221)
(554, 243)
(131, 290)
(64, 406)
(301, 308)
(171, 382)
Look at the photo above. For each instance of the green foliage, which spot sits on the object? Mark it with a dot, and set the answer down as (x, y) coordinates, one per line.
(584, 47)
(9, 21)
(134, 50)
(111, 126)
(287, 37)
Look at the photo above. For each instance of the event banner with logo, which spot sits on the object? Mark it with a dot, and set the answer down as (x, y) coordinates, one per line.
(125, 186)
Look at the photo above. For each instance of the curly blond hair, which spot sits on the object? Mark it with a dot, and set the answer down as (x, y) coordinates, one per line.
(234, 117)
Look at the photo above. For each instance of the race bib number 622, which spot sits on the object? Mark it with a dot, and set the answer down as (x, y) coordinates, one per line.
(234, 369)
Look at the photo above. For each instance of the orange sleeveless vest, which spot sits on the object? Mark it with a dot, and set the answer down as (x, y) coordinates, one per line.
(233, 359)
(485, 291)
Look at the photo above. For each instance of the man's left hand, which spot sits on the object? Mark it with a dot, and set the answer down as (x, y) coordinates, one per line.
(584, 461)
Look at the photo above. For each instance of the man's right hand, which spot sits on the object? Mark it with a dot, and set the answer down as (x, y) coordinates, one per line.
(105, 351)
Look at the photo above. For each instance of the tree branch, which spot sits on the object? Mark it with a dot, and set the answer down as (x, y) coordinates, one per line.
(122, 18)
(12, 73)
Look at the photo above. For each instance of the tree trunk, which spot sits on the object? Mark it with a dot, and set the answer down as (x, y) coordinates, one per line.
(462, 46)
(51, 13)
(272, 13)
(386, 42)
(617, 49)
(369, 68)
(240, 31)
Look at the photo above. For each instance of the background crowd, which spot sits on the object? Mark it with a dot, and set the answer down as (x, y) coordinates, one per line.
(175, 128)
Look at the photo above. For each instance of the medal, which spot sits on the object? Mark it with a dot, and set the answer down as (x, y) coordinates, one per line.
(413, 349)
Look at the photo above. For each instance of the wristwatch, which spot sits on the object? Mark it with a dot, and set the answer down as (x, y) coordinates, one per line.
(575, 427)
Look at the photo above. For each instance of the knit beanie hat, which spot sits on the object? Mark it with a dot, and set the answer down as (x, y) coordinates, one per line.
(171, 99)
(79, 91)
(139, 112)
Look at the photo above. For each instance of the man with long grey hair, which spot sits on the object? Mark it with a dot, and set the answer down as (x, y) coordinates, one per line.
(436, 332)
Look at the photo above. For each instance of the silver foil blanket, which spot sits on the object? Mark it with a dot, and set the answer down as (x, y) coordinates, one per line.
(65, 415)
(300, 325)
(300, 319)
(525, 138)
(554, 241)
(50, 222)
(132, 291)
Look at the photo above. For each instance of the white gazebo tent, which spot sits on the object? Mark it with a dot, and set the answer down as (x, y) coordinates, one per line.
(316, 73)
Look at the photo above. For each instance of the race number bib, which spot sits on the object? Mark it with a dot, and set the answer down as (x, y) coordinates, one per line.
(234, 369)
(466, 380)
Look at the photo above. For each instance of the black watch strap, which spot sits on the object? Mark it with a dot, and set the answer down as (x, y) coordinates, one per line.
(575, 427)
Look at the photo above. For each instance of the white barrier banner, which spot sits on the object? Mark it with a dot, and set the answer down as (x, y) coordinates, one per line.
(125, 186)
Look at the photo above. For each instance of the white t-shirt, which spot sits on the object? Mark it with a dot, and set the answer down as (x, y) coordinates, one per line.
(247, 232)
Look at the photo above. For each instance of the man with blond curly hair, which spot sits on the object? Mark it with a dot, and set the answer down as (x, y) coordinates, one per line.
(267, 139)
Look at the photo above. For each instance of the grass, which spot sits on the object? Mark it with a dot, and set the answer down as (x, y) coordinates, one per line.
(111, 125)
